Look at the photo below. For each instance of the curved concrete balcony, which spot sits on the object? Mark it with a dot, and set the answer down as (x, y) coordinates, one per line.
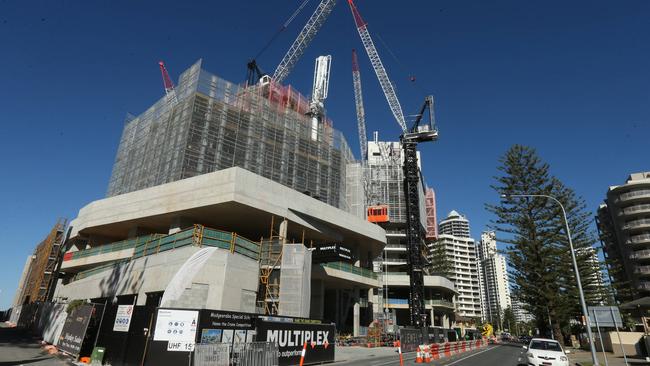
(637, 224)
(642, 270)
(641, 254)
(633, 195)
(638, 239)
(635, 209)
(644, 285)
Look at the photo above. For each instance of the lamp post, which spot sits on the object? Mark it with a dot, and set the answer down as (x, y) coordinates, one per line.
(575, 269)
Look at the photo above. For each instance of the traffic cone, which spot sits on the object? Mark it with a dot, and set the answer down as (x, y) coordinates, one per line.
(302, 355)
(427, 354)
(399, 349)
(418, 356)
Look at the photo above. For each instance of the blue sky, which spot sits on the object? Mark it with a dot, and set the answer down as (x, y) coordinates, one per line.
(568, 78)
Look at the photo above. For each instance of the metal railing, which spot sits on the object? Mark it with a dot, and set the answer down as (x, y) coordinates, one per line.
(212, 354)
(241, 354)
(110, 248)
(156, 243)
(444, 303)
(347, 267)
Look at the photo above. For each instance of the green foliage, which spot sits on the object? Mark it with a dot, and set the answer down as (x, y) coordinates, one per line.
(509, 320)
(537, 249)
(73, 305)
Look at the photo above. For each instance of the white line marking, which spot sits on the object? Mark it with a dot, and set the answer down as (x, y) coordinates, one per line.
(472, 355)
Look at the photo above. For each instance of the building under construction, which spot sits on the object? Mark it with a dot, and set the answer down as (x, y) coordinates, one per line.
(211, 124)
(38, 275)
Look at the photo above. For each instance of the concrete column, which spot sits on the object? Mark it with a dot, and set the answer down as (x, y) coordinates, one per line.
(356, 314)
(433, 319)
(445, 321)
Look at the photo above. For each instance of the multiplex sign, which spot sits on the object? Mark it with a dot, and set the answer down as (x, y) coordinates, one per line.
(290, 338)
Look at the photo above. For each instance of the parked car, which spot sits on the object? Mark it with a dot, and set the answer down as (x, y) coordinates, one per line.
(546, 352)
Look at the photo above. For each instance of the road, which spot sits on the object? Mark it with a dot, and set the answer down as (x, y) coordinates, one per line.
(493, 355)
(18, 348)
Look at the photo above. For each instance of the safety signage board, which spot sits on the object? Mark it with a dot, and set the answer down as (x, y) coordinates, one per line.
(176, 325)
(123, 318)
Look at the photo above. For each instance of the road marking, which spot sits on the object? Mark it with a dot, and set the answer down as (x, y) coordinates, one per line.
(472, 355)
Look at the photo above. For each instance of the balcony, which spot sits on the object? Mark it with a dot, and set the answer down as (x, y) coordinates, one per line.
(642, 193)
(638, 239)
(441, 303)
(644, 208)
(644, 285)
(641, 254)
(395, 247)
(636, 224)
(642, 270)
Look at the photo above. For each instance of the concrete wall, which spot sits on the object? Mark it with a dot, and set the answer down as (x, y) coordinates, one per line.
(631, 343)
(227, 281)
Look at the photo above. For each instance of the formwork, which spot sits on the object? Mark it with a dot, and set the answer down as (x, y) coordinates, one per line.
(215, 124)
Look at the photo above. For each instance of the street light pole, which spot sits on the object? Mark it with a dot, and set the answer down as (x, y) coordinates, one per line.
(575, 269)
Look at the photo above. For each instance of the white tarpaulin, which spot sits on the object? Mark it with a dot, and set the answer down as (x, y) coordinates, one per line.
(183, 278)
(295, 281)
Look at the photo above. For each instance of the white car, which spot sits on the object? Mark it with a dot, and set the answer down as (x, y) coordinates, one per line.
(546, 352)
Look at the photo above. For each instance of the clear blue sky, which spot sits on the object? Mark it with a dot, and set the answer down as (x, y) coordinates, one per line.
(569, 78)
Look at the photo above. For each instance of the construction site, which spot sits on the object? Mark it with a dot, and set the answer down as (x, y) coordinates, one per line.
(243, 198)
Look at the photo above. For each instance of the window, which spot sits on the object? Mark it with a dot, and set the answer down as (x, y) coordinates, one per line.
(546, 345)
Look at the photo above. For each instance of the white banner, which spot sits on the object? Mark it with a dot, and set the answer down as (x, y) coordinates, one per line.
(123, 318)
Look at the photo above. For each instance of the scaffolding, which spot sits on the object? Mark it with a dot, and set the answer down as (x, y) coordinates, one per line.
(41, 273)
(216, 124)
(283, 288)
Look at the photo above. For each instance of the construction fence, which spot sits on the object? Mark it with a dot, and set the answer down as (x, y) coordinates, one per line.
(244, 354)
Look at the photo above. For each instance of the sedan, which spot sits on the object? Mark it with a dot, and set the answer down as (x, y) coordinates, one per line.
(546, 352)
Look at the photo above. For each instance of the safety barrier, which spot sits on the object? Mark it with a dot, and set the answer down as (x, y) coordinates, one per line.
(242, 354)
(212, 354)
(427, 353)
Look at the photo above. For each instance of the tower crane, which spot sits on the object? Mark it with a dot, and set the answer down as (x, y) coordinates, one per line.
(358, 101)
(319, 93)
(409, 139)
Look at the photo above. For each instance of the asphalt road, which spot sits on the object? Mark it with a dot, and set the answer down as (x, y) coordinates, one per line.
(493, 355)
(18, 348)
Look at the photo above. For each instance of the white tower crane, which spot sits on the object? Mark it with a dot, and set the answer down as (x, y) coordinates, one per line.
(358, 101)
(319, 93)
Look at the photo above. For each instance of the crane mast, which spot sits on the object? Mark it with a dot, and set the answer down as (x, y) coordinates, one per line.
(319, 93)
(382, 76)
(358, 101)
(301, 42)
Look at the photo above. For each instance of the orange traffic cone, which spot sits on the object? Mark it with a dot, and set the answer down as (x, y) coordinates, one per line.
(418, 356)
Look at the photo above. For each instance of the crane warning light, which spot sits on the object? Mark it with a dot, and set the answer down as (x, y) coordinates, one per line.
(378, 213)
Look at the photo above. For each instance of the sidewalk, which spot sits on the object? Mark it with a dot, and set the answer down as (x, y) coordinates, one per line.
(578, 356)
(17, 347)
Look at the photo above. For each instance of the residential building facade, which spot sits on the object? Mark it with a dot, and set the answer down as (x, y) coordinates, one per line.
(624, 227)
(495, 288)
(460, 250)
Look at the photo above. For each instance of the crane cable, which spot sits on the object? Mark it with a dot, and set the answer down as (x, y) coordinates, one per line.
(284, 26)
(401, 65)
